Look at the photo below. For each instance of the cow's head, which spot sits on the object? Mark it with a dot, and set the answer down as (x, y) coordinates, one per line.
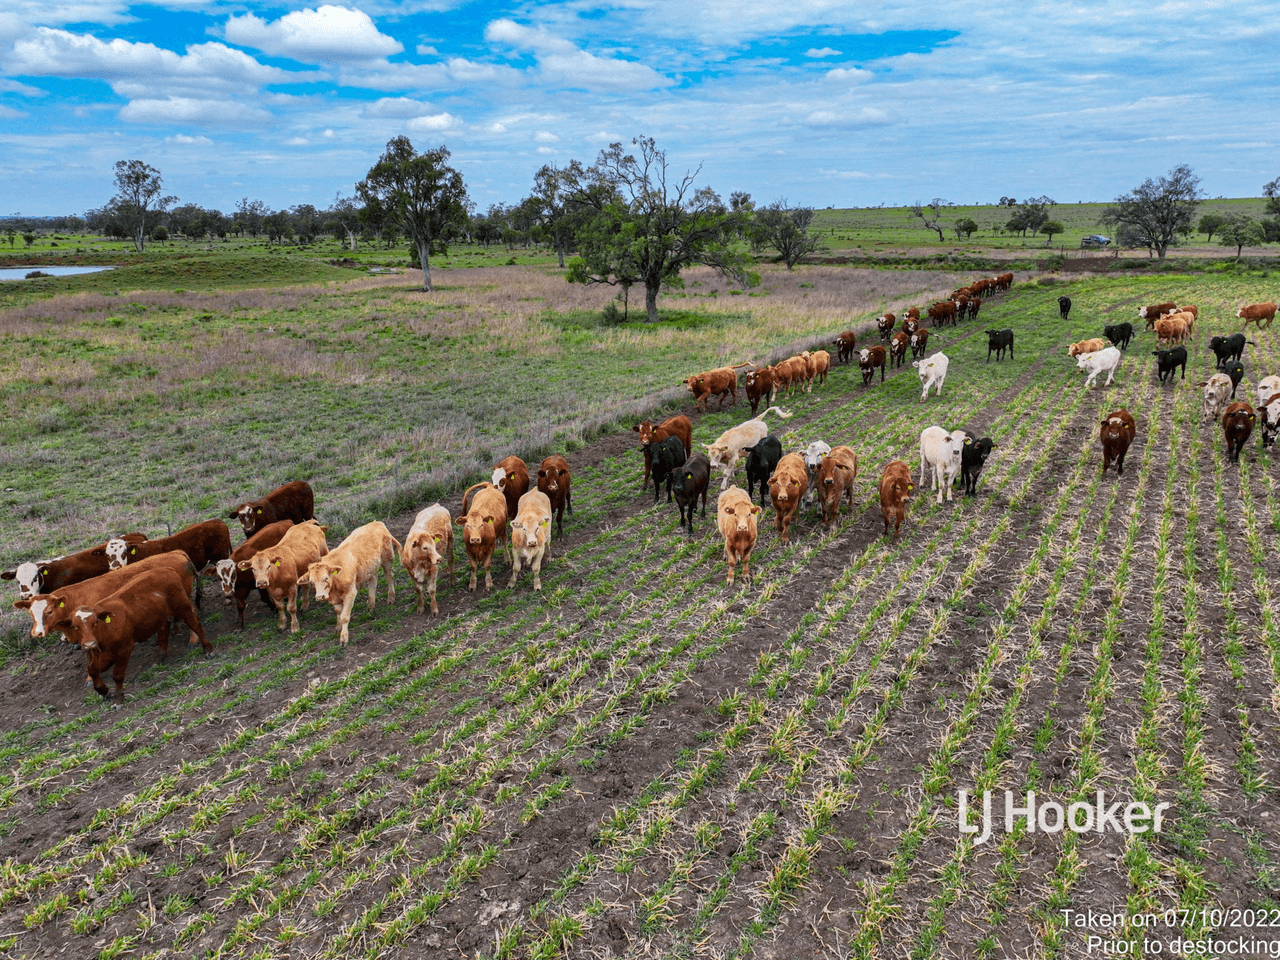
(119, 552)
(264, 564)
(30, 577)
(477, 527)
(44, 610)
(325, 578)
(645, 429)
(86, 625)
(422, 553)
(225, 571)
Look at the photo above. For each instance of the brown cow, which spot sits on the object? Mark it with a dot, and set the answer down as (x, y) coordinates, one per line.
(898, 349)
(294, 501)
(910, 325)
(429, 541)
(790, 373)
(895, 491)
(277, 569)
(919, 343)
(868, 359)
(650, 436)
(484, 524)
(787, 486)
(1260, 313)
(914, 312)
(720, 382)
(1155, 311)
(885, 324)
(834, 482)
(206, 542)
(109, 629)
(1237, 427)
(46, 576)
(736, 518)
(845, 344)
(760, 385)
(48, 608)
(818, 363)
(1171, 329)
(237, 583)
(352, 565)
(1117, 432)
(555, 481)
(943, 312)
(511, 476)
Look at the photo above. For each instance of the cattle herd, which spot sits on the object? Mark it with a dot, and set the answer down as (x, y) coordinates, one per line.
(111, 596)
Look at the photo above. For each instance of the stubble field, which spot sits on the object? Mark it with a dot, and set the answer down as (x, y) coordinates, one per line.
(638, 761)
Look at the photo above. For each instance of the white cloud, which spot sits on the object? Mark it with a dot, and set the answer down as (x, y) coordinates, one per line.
(297, 142)
(545, 136)
(430, 124)
(184, 140)
(819, 52)
(560, 62)
(861, 117)
(848, 74)
(8, 113)
(426, 50)
(328, 34)
(187, 110)
(22, 89)
(395, 108)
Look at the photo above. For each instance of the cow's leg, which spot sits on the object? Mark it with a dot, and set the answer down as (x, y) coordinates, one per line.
(344, 614)
(474, 564)
(417, 585)
(192, 620)
(537, 569)
(515, 571)
(488, 569)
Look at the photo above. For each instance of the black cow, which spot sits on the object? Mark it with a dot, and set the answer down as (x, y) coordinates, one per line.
(1064, 307)
(1234, 370)
(691, 482)
(762, 460)
(999, 341)
(1169, 361)
(1119, 334)
(1229, 348)
(668, 457)
(973, 457)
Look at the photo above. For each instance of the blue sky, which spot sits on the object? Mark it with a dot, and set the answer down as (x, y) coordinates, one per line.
(818, 101)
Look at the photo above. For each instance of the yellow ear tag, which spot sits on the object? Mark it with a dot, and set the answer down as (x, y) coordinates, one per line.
(106, 619)
(438, 539)
(259, 510)
(911, 486)
(133, 550)
(44, 572)
(511, 476)
(488, 519)
(61, 604)
(688, 476)
(275, 563)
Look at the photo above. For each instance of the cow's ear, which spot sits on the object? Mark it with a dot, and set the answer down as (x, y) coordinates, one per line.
(233, 514)
(754, 508)
(22, 604)
(96, 552)
(994, 445)
(636, 428)
(243, 565)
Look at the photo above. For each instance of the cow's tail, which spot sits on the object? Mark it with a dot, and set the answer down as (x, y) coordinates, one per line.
(782, 413)
(749, 363)
(466, 497)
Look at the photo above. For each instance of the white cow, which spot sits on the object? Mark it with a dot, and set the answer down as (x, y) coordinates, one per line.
(1269, 414)
(727, 450)
(1217, 394)
(1107, 360)
(1268, 387)
(940, 454)
(813, 455)
(933, 372)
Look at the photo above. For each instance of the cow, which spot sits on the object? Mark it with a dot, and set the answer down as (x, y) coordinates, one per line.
(898, 349)
(1116, 432)
(940, 455)
(1269, 413)
(1092, 345)
(1237, 427)
(46, 609)
(760, 385)
(1171, 330)
(885, 324)
(801, 375)
(919, 343)
(975, 304)
(819, 362)
(942, 312)
(813, 455)
(1217, 394)
(1168, 362)
(1064, 307)
(1234, 370)
(531, 536)
(762, 460)
(1229, 348)
(845, 345)
(787, 487)
(868, 359)
(109, 629)
(677, 426)
(511, 476)
(667, 458)
(351, 566)
(789, 373)
(277, 569)
(484, 524)
(999, 341)
(236, 583)
(1268, 387)
(294, 501)
(895, 492)
(727, 450)
(1260, 313)
(973, 457)
(206, 542)
(834, 482)
(1155, 311)
(1119, 334)
(1107, 360)
(556, 481)
(691, 482)
(429, 541)
(736, 519)
(913, 312)
(45, 576)
(910, 325)
(1004, 281)
(1187, 319)
(933, 373)
(721, 382)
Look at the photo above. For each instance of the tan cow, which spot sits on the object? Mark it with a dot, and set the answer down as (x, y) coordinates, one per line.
(237, 584)
(1092, 345)
(429, 541)
(277, 569)
(736, 518)
(1171, 330)
(484, 527)
(834, 482)
(531, 536)
(818, 362)
(351, 566)
(786, 488)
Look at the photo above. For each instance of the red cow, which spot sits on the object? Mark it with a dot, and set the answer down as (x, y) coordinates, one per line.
(650, 436)
(556, 482)
(895, 491)
(205, 543)
(1117, 432)
(294, 501)
(49, 575)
